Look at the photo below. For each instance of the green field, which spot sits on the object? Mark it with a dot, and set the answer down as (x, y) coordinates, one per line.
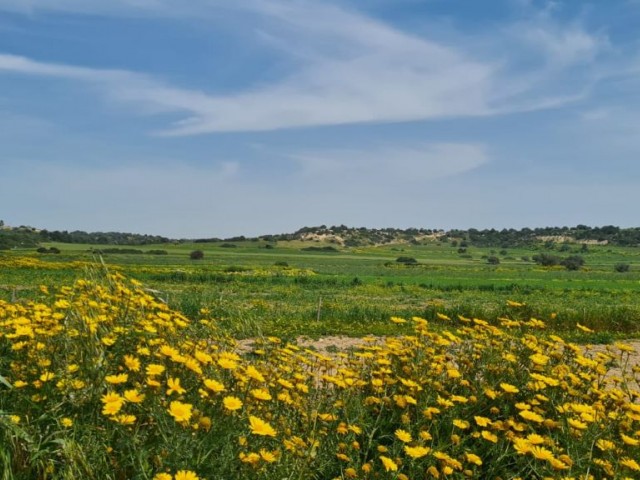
(254, 287)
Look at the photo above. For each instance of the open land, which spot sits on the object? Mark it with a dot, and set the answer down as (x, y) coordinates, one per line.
(273, 360)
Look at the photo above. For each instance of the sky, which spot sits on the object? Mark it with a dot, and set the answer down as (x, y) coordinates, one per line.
(216, 118)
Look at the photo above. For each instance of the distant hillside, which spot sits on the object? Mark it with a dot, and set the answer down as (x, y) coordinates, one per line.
(343, 236)
(25, 237)
(351, 237)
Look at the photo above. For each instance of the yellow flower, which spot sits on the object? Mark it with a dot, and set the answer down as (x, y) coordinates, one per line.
(125, 419)
(66, 422)
(132, 363)
(398, 320)
(227, 363)
(185, 475)
(473, 458)
(389, 465)
(111, 397)
(154, 369)
(180, 411)
(583, 328)
(461, 424)
(558, 464)
(482, 421)
(232, 403)
(487, 435)
(535, 439)
(507, 387)
(162, 476)
(541, 453)
(268, 456)
(630, 463)
(532, 416)
(416, 452)
(629, 440)
(403, 436)
(133, 396)
(605, 445)
(111, 408)
(116, 379)
(261, 394)
(577, 424)
(174, 386)
(260, 427)
(214, 385)
(252, 372)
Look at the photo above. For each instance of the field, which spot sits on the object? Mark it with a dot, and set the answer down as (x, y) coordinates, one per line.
(127, 365)
(286, 291)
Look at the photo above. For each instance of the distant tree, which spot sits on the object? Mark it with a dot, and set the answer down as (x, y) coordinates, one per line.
(196, 255)
(621, 267)
(493, 260)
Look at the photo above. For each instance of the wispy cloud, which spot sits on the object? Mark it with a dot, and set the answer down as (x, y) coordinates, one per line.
(391, 165)
(347, 68)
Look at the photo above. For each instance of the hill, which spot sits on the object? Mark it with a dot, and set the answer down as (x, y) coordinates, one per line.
(343, 236)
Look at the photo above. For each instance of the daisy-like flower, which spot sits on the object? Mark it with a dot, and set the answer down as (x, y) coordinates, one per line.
(174, 386)
(541, 453)
(232, 403)
(117, 379)
(133, 396)
(416, 452)
(389, 464)
(403, 436)
(260, 427)
(180, 411)
(507, 387)
(185, 475)
(154, 369)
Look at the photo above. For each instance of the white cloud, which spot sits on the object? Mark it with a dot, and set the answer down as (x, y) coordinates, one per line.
(348, 68)
(376, 166)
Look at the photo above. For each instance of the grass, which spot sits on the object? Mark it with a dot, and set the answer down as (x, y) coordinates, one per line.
(355, 290)
(102, 380)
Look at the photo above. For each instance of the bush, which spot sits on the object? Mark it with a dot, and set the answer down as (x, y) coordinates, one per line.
(574, 262)
(196, 255)
(546, 260)
(406, 260)
(493, 260)
(621, 267)
(44, 250)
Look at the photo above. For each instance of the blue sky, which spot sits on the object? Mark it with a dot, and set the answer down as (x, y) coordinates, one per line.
(220, 118)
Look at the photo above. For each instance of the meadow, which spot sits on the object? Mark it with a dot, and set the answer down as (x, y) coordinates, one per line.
(288, 291)
(127, 366)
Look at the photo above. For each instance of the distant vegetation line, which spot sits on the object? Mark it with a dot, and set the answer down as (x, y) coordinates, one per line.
(344, 236)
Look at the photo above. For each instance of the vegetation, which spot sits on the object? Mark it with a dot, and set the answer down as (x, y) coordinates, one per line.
(104, 381)
(136, 371)
(196, 255)
(561, 237)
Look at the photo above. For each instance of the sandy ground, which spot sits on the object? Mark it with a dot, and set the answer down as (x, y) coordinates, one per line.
(340, 343)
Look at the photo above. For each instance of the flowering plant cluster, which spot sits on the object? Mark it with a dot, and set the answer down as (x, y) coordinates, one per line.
(102, 380)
